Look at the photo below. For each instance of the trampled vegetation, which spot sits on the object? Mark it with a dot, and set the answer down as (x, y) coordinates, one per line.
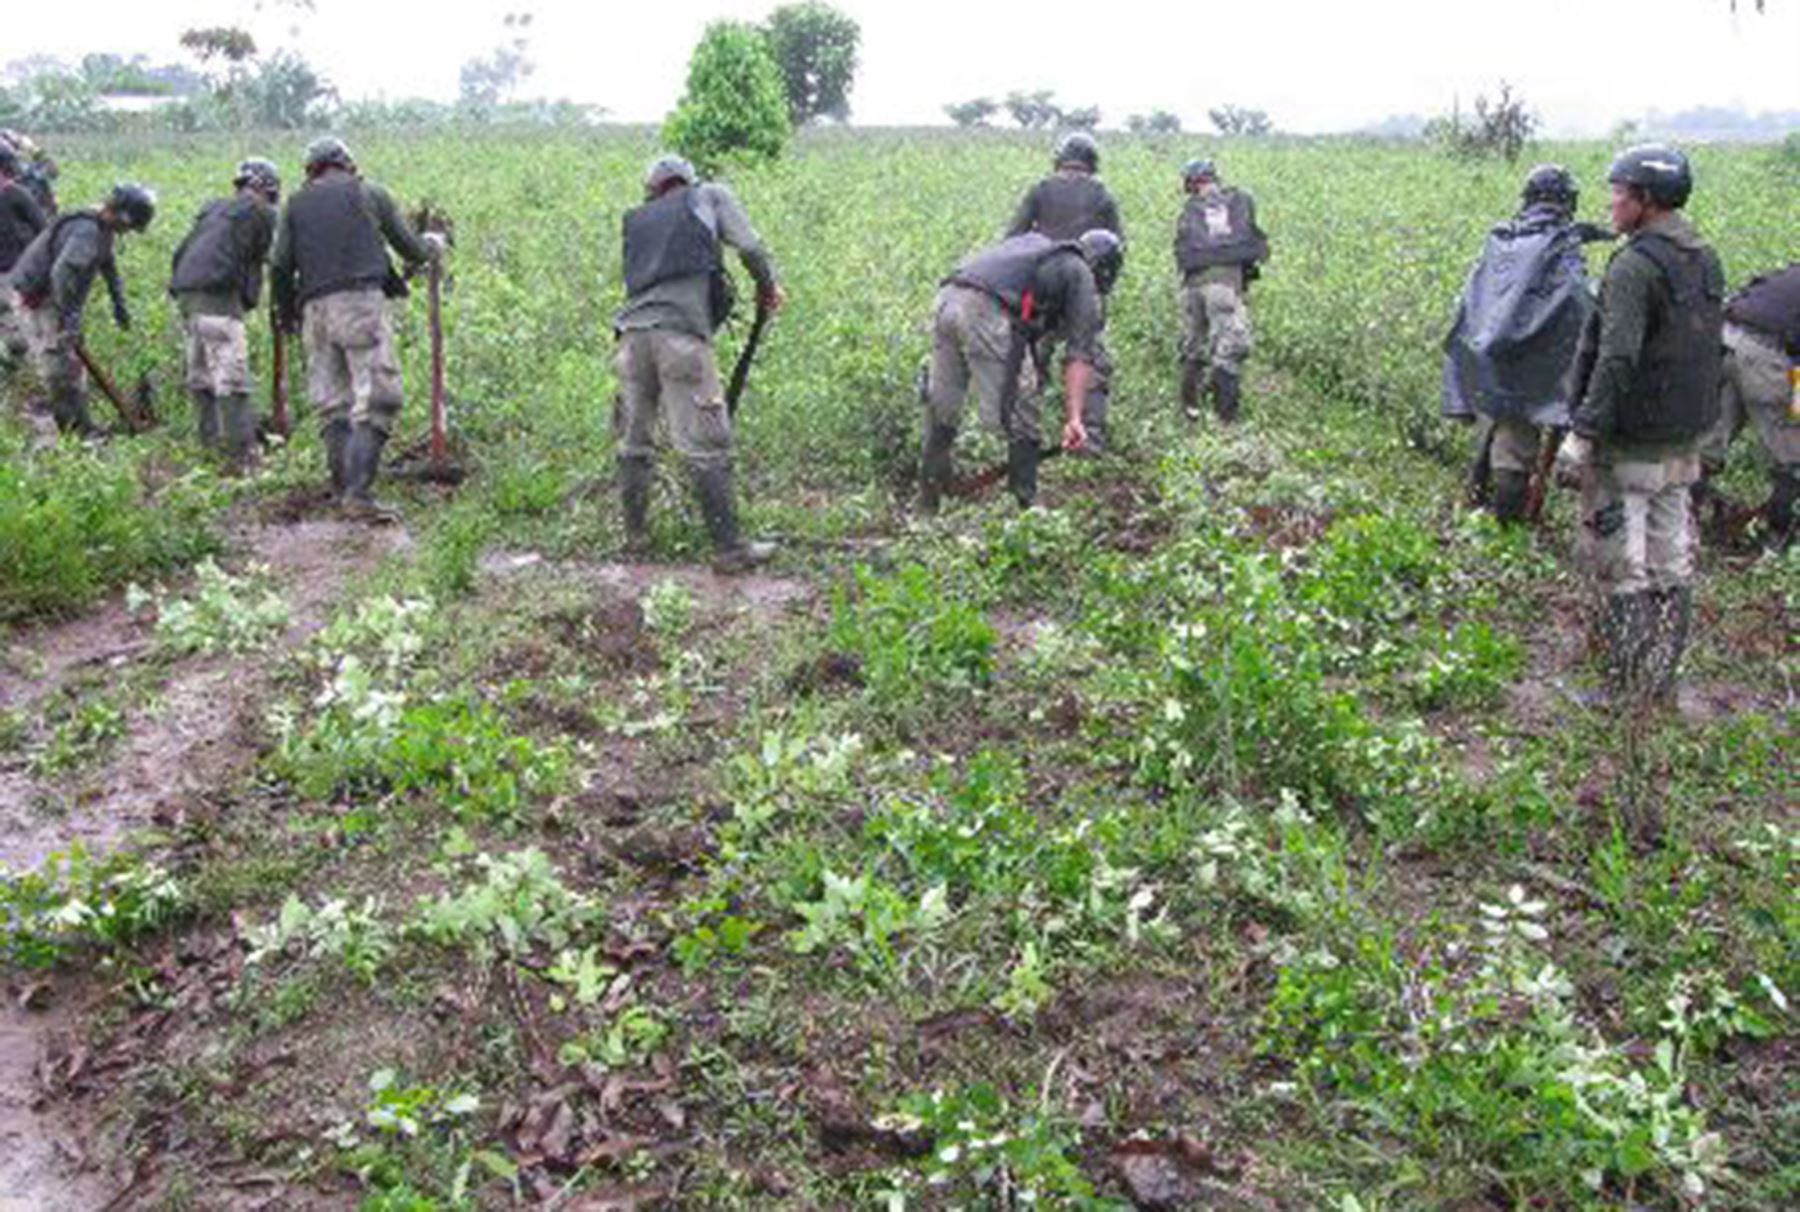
(1219, 835)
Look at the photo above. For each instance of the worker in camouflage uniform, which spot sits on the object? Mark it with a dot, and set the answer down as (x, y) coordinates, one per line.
(21, 219)
(331, 281)
(1070, 201)
(989, 315)
(1762, 348)
(1651, 363)
(51, 281)
(37, 172)
(1218, 250)
(216, 278)
(1508, 354)
(677, 296)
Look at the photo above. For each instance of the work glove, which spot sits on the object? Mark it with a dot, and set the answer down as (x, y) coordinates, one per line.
(1572, 460)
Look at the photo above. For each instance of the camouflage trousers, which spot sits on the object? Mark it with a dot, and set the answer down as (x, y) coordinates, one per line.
(1636, 530)
(1756, 390)
(14, 345)
(352, 373)
(51, 352)
(1511, 445)
(973, 345)
(670, 378)
(1215, 323)
(217, 354)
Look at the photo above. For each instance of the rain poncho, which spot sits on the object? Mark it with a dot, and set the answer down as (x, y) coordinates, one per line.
(1518, 322)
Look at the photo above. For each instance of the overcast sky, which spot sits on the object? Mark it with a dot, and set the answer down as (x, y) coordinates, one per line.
(1315, 65)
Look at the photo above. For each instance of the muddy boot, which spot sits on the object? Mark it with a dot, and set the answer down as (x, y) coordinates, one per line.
(237, 425)
(1628, 634)
(1193, 374)
(935, 467)
(337, 442)
(635, 476)
(206, 418)
(731, 554)
(1784, 495)
(1093, 419)
(1510, 491)
(70, 409)
(1671, 620)
(362, 461)
(1225, 394)
(1021, 471)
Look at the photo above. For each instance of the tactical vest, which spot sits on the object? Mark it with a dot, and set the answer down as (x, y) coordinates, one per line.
(1771, 304)
(1008, 271)
(667, 239)
(1677, 389)
(31, 275)
(337, 242)
(1217, 229)
(215, 256)
(1069, 204)
(15, 235)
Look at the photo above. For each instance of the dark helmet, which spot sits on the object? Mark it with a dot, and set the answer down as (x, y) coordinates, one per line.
(134, 203)
(1105, 255)
(1657, 169)
(259, 174)
(1198, 168)
(666, 169)
(328, 151)
(1550, 183)
(1078, 147)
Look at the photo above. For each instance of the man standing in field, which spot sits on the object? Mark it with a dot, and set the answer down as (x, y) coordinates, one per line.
(677, 296)
(1762, 356)
(989, 314)
(1218, 250)
(1070, 201)
(216, 277)
(1507, 358)
(52, 279)
(20, 221)
(1651, 369)
(330, 266)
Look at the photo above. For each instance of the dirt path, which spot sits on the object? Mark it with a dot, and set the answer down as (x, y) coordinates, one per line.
(199, 733)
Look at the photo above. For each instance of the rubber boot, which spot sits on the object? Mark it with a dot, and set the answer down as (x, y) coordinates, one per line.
(1193, 374)
(1225, 394)
(70, 409)
(1628, 641)
(935, 466)
(237, 424)
(731, 554)
(1671, 622)
(1021, 471)
(362, 462)
(1093, 419)
(1784, 495)
(1510, 490)
(635, 475)
(206, 418)
(337, 443)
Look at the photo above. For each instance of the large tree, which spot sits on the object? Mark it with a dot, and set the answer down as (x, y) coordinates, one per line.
(733, 106)
(815, 46)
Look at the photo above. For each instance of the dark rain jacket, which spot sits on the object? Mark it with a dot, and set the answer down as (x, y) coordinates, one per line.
(1519, 322)
(1046, 287)
(59, 266)
(1770, 304)
(331, 239)
(221, 258)
(1218, 227)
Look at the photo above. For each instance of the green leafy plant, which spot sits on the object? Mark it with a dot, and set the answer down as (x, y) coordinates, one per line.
(77, 901)
(225, 613)
(734, 106)
(520, 903)
(911, 635)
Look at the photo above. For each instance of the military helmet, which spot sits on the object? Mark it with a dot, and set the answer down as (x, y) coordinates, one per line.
(1078, 147)
(665, 169)
(328, 151)
(259, 174)
(1105, 255)
(1197, 168)
(134, 203)
(1657, 169)
(1550, 183)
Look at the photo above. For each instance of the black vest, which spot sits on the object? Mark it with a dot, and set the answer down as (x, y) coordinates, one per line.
(667, 239)
(1771, 304)
(1008, 271)
(1069, 204)
(16, 232)
(1218, 230)
(1677, 391)
(337, 242)
(217, 255)
(31, 274)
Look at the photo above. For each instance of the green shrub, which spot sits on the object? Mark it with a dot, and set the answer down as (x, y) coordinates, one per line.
(735, 106)
(76, 899)
(913, 634)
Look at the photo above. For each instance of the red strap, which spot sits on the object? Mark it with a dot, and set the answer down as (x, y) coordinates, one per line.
(1027, 305)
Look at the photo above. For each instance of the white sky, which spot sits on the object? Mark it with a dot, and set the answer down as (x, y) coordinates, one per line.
(1315, 65)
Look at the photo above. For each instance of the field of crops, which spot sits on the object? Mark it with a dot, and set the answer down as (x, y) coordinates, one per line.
(1223, 834)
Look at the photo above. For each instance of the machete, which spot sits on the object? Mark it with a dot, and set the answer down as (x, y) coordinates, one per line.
(740, 373)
